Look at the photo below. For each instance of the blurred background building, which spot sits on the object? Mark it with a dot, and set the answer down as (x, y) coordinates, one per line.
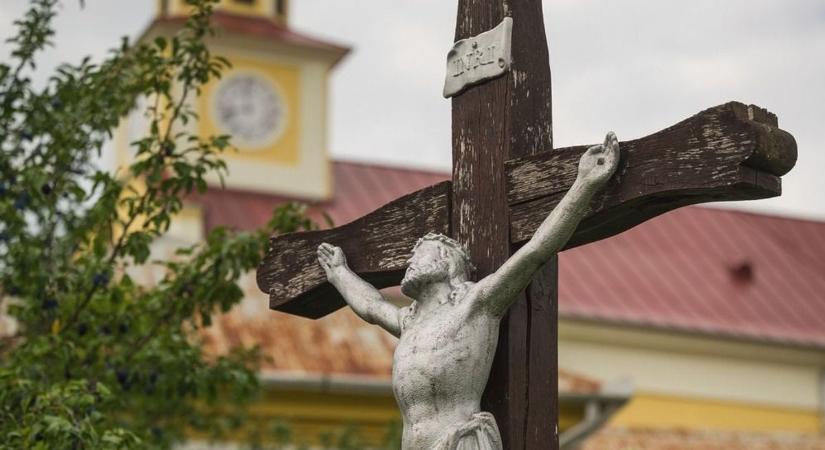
(703, 328)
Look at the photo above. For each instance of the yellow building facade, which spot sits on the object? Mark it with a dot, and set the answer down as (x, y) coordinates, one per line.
(273, 100)
(694, 384)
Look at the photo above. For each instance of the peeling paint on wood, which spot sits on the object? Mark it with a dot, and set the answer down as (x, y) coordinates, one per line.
(674, 167)
(719, 154)
(377, 246)
(509, 117)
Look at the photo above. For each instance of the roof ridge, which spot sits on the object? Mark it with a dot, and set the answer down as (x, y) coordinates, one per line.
(389, 166)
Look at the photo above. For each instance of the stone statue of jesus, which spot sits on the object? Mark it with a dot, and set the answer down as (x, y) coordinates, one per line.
(448, 335)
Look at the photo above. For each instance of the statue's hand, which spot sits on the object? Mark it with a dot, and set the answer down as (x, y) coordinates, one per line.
(331, 258)
(599, 162)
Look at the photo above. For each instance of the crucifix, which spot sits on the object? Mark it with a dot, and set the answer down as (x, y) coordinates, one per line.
(507, 179)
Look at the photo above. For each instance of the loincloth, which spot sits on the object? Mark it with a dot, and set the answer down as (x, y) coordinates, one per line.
(478, 433)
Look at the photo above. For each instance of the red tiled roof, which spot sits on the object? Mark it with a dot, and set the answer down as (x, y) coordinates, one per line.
(357, 190)
(695, 269)
(574, 383)
(705, 270)
(337, 344)
(258, 27)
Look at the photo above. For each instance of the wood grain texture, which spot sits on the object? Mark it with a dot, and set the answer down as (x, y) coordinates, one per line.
(719, 154)
(658, 173)
(543, 370)
(377, 248)
(509, 117)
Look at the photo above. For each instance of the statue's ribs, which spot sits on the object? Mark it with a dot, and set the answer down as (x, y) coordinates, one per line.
(729, 152)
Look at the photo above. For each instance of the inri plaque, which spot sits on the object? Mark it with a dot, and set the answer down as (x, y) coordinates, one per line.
(479, 58)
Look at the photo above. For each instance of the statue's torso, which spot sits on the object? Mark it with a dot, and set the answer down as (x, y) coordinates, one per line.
(440, 369)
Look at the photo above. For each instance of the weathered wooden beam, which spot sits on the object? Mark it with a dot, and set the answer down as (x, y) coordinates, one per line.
(729, 152)
(377, 248)
(509, 117)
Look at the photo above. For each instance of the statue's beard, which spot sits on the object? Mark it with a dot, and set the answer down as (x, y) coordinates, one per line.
(418, 277)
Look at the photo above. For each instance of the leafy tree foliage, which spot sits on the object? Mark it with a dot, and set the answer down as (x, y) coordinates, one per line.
(97, 360)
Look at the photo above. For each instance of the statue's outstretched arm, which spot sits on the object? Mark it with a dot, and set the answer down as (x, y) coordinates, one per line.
(361, 296)
(499, 290)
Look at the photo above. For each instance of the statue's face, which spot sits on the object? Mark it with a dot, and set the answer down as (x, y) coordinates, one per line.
(427, 265)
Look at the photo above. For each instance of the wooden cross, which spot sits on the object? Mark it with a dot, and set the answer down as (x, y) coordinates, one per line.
(506, 179)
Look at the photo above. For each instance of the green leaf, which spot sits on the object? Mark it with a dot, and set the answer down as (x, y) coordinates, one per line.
(106, 356)
(160, 42)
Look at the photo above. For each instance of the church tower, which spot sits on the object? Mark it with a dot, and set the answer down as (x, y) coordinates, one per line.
(273, 100)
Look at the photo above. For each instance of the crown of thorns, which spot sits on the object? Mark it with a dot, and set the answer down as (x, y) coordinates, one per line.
(452, 244)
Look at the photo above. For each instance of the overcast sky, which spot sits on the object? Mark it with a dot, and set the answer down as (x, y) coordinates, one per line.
(631, 66)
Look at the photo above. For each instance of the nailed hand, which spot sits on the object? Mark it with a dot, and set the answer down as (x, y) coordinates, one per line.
(599, 162)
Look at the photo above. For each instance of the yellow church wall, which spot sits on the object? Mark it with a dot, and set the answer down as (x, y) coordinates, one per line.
(306, 174)
(286, 79)
(570, 415)
(187, 225)
(685, 380)
(310, 415)
(257, 8)
(253, 8)
(136, 125)
(120, 144)
(664, 411)
(319, 406)
(297, 165)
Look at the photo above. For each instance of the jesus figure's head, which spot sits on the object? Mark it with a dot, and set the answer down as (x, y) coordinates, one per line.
(436, 258)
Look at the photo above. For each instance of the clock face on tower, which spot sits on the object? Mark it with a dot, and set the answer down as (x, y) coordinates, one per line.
(250, 108)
